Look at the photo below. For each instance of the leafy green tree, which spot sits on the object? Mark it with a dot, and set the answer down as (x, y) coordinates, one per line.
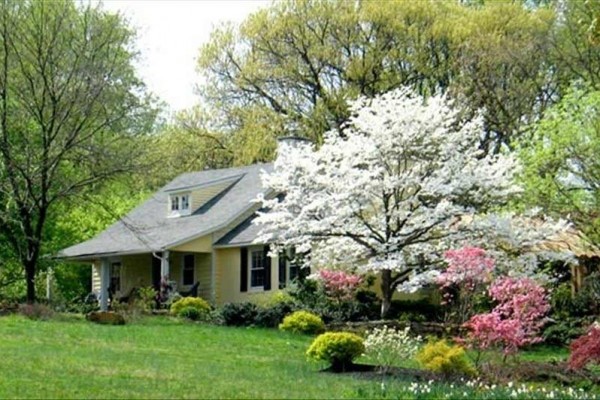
(561, 165)
(293, 66)
(503, 51)
(80, 219)
(70, 107)
(296, 64)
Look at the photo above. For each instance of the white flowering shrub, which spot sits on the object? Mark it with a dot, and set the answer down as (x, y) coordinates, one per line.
(388, 193)
(388, 346)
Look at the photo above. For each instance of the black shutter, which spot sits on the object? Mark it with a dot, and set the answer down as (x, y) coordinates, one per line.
(282, 271)
(243, 269)
(267, 261)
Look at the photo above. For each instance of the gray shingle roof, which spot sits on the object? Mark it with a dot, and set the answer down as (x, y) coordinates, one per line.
(148, 227)
(243, 234)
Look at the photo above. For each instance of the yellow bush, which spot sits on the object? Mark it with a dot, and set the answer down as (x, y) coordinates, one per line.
(302, 322)
(439, 356)
(338, 348)
(190, 302)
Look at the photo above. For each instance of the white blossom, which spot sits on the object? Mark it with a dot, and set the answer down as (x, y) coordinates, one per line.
(388, 192)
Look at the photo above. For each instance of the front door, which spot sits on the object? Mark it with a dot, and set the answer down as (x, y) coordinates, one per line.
(156, 271)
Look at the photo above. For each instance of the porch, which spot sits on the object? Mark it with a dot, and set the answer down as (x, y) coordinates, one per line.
(123, 274)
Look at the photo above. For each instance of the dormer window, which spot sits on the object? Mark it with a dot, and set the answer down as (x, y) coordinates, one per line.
(174, 203)
(185, 202)
(180, 204)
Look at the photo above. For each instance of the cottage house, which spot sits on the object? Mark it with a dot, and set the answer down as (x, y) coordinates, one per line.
(195, 232)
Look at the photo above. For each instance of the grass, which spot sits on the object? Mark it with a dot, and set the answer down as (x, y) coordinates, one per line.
(160, 358)
(165, 358)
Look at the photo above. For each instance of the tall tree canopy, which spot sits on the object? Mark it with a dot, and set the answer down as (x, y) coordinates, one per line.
(561, 163)
(294, 65)
(70, 104)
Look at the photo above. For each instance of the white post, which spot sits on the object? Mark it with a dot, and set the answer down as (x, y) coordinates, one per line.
(164, 265)
(104, 282)
(49, 284)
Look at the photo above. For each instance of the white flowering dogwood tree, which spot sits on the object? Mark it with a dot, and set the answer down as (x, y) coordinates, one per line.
(388, 191)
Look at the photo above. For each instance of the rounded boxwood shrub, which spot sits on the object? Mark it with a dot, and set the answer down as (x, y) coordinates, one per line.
(190, 313)
(337, 348)
(302, 322)
(197, 303)
(439, 356)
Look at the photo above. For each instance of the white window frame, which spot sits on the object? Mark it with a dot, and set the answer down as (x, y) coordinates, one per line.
(176, 203)
(251, 252)
(183, 270)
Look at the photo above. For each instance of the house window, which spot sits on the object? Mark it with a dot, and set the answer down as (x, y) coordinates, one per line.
(115, 277)
(174, 203)
(289, 268)
(257, 270)
(180, 204)
(185, 202)
(188, 269)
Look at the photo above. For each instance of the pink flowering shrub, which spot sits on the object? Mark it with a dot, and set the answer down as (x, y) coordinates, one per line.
(339, 285)
(469, 271)
(468, 267)
(517, 319)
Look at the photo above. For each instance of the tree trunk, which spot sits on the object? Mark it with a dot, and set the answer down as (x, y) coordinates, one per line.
(30, 278)
(386, 292)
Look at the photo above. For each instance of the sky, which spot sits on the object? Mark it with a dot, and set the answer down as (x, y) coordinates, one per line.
(170, 33)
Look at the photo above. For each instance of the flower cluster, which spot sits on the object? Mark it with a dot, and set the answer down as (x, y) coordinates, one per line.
(467, 267)
(387, 346)
(515, 321)
(477, 389)
(339, 285)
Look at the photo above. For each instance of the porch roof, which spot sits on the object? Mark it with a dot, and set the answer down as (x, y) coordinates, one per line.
(149, 228)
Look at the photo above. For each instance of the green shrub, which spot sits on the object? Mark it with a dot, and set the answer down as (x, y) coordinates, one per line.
(337, 348)
(146, 298)
(239, 314)
(439, 356)
(272, 316)
(190, 302)
(302, 322)
(190, 313)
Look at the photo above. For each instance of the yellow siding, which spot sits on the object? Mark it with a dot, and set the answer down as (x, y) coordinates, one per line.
(201, 272)
(201, 245)
(227, 262)
(202, 196)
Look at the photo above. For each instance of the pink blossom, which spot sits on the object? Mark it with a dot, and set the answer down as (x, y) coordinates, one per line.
(467, 266)
(515, 321)
(339, 284)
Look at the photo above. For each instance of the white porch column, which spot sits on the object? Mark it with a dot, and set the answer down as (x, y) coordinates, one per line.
(164, 266)
(104, 282)
(49, 274)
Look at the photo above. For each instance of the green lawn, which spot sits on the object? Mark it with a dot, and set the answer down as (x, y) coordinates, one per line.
(164, 358)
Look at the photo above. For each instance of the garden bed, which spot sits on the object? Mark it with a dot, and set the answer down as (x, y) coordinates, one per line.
(418, 328)
(491, 373)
